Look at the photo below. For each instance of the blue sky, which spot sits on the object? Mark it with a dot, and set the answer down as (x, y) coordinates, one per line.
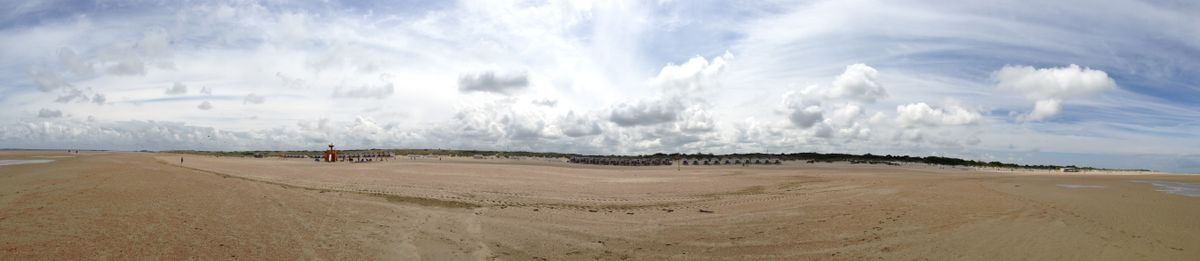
(1106, 84)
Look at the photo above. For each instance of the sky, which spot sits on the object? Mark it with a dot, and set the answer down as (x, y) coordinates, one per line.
(1096, 83)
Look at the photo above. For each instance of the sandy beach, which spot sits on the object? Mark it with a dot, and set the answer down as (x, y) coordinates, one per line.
(110, 205)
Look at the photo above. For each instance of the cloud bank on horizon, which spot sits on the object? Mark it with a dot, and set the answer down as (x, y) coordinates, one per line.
(1034, 82)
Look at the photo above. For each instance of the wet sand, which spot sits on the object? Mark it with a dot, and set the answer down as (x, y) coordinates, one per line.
(124, 205)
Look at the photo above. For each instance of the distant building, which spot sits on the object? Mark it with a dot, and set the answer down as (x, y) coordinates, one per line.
(1070, 169)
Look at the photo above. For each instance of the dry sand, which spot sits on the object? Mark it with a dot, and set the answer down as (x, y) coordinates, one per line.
(124, 205)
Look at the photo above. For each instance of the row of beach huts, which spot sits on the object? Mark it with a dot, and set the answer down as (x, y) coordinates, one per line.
(732, 161)
(615, 161)
(622, 161)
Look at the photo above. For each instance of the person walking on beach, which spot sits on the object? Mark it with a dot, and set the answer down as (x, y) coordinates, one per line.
(180, 160)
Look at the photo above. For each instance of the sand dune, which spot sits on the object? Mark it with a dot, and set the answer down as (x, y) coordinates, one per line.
(122, 205)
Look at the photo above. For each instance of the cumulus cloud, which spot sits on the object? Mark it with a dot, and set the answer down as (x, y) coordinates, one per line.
(823, 131)
(499, 121)
(858, 83)
(253, 99)
(489, 81)
(99, 99)
(290, 82)
(679, 118)
(921, 114)
(802, 111)
(72, 94)
(125, 135)
(645, 112)
(545, 102)
(1042, 109)
(1048, 87)
(48, 113)
(579, 126)
(695, 119)
(380, 91)
(845, 114)
(697, 74)
(805, 117)
(176, 89)
(204, 106)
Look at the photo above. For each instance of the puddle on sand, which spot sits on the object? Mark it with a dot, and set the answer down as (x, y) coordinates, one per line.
(1178, 188)
(16, 162)
(1078, 186)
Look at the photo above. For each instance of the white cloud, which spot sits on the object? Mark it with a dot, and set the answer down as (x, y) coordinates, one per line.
(822, 131)
(253, 99)
(1050, 86)
(204, 106)
(802, 111)
(697, 74)
(206, 90)
(125, 135)
(695, 120)
(645, 112)
(489, 81)
(1053, 83)
(177, 89)
(545, 102)
(858, 83)
(499, 122)
(1042, 109)
(921, 114)
(574, 126)
(846, 114)
(380, 91)
(805, 117)
(48, 113)
(289, 82)
(72, 94)
(99, 99)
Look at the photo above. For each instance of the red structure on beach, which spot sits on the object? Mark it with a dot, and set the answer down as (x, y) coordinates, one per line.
(331, 154)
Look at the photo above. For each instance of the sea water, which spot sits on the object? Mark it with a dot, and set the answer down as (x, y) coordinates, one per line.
(1076, 186)
(1178, 188)
(4, 162)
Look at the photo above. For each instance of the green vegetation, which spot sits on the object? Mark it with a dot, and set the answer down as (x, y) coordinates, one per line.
(810, 157)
